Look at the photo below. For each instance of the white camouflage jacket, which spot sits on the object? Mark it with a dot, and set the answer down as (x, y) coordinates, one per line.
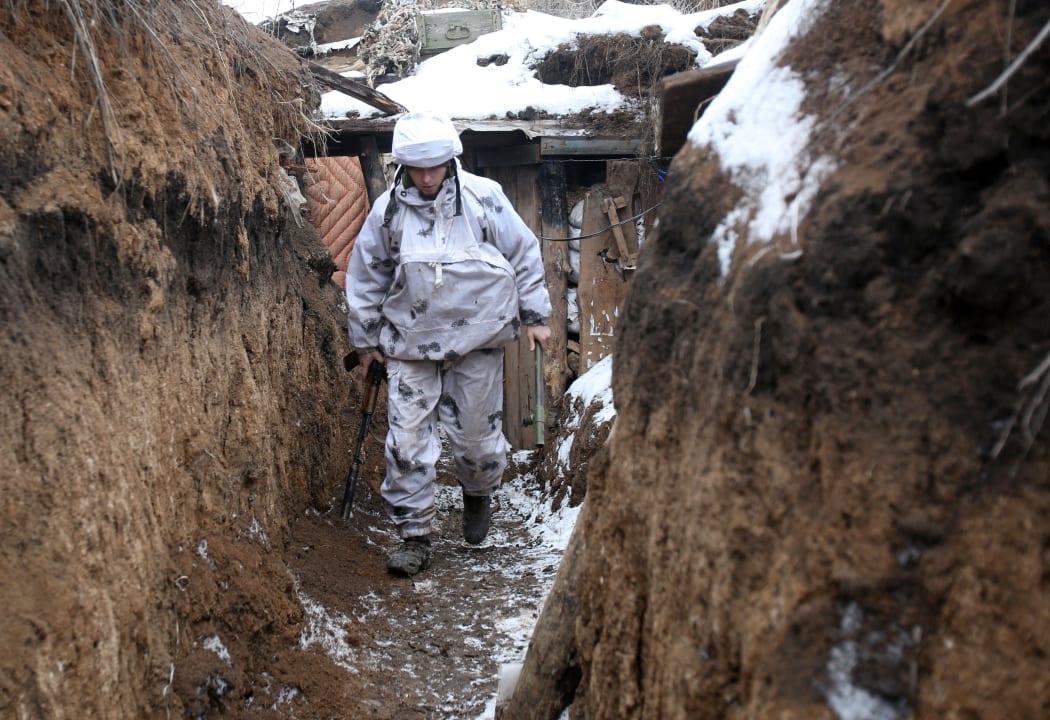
(433, 285)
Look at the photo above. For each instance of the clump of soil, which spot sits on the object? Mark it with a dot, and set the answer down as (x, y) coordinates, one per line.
(727, 31)
(632, 64)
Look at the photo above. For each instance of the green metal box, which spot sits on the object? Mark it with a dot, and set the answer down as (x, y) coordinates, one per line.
(445, 28)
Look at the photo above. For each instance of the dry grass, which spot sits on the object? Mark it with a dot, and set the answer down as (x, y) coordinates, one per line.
(78, 19)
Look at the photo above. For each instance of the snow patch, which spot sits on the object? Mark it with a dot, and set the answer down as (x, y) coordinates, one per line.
(202, 553)
(594, 386)
(257, 533)
(326, 629)
(762, 138)
(215, 644)
(848, 700)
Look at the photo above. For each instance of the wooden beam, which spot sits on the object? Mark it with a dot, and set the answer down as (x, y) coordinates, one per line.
(602, 287)
(354, 89)
(554, 212)
(678, 107)
(372, 168)
(506, 156)
(585, 146)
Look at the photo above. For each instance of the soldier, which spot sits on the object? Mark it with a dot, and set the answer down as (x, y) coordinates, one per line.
(443, 274)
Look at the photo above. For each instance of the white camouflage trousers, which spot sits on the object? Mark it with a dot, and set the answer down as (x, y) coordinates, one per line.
(466, 396)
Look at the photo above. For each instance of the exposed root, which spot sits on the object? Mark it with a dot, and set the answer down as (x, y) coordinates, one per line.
(1031, 409)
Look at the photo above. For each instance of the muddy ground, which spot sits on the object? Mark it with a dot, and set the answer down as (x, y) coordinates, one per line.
(431, 646)
(373, 645)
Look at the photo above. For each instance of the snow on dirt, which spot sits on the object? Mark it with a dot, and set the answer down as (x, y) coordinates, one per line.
(440, 637)
(465, 84)
(594, 386)
(433, 645)
(495, 74)
(759, 131)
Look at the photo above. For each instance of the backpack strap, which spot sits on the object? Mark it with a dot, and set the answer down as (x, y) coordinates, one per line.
(392, 206)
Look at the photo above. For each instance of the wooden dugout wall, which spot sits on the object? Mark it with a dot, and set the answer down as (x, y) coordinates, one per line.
(608, 254)
(527, 400)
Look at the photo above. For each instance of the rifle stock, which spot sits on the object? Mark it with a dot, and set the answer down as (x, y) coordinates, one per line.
(375, 377)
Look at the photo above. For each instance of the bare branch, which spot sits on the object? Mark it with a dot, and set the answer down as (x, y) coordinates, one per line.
(1013, 68)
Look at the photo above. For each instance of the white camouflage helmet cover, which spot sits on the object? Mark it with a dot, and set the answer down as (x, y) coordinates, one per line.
(425, 139)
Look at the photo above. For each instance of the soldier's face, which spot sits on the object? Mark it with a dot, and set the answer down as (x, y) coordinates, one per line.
(428, 180)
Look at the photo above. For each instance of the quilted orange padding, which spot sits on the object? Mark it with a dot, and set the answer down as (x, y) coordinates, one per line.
(337, 205)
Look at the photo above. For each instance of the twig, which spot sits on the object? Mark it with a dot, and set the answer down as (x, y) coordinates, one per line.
(1014, 67)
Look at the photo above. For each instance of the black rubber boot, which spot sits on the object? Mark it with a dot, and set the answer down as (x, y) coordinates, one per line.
(475, 518)
(412, 557)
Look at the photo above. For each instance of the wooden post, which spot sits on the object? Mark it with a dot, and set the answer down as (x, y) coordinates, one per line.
(372, 167)
(555, 223)
(602, 287)
(520, 184)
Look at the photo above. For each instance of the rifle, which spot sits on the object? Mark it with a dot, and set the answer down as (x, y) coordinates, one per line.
(375, 377)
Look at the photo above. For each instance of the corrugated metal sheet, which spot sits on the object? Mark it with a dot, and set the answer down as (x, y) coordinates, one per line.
(337, 204)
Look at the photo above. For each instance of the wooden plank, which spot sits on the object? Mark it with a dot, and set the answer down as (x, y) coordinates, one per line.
(611, 207)
(621, 185)
(680, 98)
(520, 184)
(515, 356)
(579, 145)
(372, 167)
(526, 201)
(555, 224)
(354, 89)
(602, 289)
(506, 156)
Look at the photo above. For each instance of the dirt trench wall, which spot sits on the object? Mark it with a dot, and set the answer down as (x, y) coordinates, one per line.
(171, 345)
(806, 512)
